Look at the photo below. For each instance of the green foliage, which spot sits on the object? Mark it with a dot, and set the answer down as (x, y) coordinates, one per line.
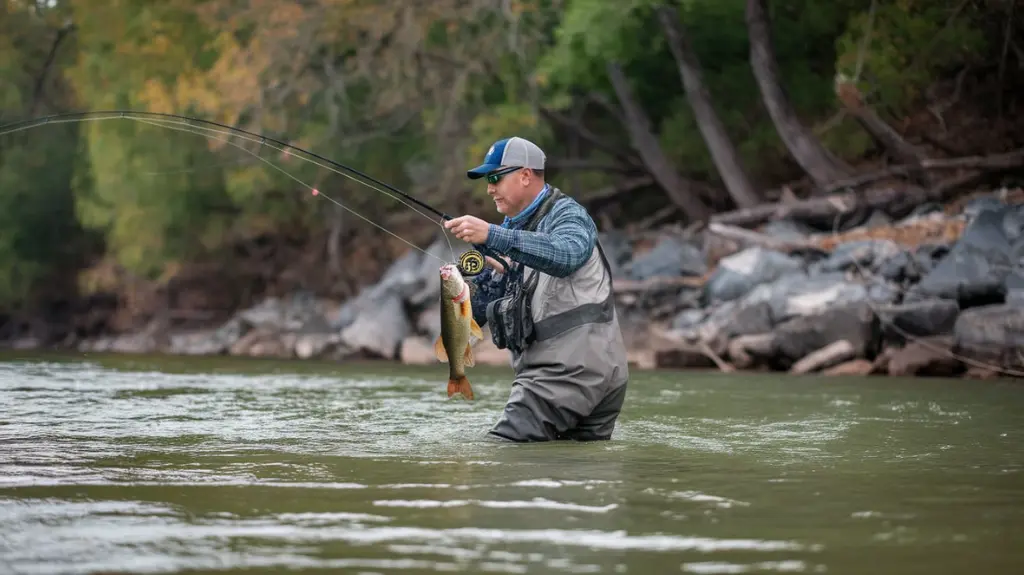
(410, 93)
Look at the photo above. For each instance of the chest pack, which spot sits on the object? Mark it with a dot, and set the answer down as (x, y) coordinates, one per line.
(511, 317)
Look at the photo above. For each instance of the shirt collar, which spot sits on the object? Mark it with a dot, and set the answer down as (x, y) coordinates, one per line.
(522, 216)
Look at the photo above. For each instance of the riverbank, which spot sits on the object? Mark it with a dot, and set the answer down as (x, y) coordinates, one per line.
(937, 293)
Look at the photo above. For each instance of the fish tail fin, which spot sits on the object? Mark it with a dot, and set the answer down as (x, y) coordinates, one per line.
(460, 385)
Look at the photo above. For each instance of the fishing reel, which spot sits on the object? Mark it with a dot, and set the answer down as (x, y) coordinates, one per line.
(471, 263)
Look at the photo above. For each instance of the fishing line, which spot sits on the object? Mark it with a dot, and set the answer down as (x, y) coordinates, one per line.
(189, 129)
(163, 119)
(912, 338)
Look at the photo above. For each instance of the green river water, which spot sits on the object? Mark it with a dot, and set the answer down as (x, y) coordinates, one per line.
(150, 465)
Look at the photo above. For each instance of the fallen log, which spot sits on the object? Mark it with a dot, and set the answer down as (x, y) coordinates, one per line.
(756, 238)
(997, 162)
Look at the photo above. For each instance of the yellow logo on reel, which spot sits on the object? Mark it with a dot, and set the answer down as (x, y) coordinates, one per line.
(471, 263)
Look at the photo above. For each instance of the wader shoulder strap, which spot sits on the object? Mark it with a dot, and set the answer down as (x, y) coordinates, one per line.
(602, 312)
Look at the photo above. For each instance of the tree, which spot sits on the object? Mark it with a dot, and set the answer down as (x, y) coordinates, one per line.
(805, 148)
(722, 150)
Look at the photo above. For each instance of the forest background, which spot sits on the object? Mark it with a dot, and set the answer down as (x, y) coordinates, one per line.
(651, 112)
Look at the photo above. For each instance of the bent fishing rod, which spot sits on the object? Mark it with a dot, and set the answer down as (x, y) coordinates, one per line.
(470, 263)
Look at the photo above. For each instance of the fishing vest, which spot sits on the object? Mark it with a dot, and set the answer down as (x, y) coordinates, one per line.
(537, 307)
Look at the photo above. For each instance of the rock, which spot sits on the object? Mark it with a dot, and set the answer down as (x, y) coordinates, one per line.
(729, 320)
(209, 342)
(855, 367)
(288, 314)
(992, 334)
(746, 351)
(878, 219)
(428, 322)
(926, 357)
(689, 318)
(869, 254)
(310, 345)
(800, 336)
(786, 230)
(670, 257)
(974, 271)
(898, 268)
(417, 350)
(682, 357)
(917, 319)
(264, 341)
(380, 330)
(832, 354)
(739, 273)
(816, 295)
(617, 249)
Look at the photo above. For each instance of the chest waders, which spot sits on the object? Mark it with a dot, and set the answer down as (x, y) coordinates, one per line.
(511, 317)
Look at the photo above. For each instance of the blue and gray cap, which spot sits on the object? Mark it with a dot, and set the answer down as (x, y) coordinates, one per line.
(514, 151)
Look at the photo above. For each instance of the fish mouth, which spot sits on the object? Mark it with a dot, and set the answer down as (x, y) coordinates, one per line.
(447, 270)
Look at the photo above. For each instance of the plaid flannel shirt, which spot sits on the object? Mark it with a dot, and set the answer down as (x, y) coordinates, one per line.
(563, 242)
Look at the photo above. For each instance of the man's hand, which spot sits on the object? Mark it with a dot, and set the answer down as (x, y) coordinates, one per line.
(469, 229)
(499, 265)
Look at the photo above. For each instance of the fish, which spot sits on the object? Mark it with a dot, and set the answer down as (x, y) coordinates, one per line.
(459, 331)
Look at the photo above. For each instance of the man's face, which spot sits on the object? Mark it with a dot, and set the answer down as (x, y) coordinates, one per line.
(508, 192)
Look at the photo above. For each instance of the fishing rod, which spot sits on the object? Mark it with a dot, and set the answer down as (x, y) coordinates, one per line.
(470, 263)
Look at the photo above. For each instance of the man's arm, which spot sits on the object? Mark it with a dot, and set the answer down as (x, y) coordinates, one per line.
(558, 252)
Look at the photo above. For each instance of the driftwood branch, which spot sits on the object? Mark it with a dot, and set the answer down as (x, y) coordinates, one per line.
(750, 237)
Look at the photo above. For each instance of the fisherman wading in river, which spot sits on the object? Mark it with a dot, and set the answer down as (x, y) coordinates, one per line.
(550, 303)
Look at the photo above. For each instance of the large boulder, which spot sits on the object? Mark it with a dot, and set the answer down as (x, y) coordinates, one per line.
(670, 257)
(803, 335)
(992, 334)
(975, 270)
(924, 318)
(738, 274)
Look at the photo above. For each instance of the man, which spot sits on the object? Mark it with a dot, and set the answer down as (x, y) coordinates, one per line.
(550, 303)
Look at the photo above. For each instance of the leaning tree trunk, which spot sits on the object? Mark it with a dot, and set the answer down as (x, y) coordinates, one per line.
(722, 150)
(818, 162)
(679, 190)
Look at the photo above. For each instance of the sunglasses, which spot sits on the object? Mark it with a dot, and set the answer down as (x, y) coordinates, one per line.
(495, 177)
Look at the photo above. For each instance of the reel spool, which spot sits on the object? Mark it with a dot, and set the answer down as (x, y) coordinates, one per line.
(471, 263)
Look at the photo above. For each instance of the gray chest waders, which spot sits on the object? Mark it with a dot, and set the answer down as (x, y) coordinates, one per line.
(511, 317)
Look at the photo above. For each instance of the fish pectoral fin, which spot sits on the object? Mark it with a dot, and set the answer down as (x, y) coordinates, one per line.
(439, 350)
(467, 359)
(474, 329)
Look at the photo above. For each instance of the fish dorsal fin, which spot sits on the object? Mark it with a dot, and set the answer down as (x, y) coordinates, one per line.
(439, 350)
(468, 358)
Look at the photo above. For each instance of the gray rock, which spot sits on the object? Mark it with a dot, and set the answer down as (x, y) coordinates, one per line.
(982, 204)
(992, 334)
(617, 249)
(689, 318)
(380, 330)
(816, 295)
(917, 319)
(739, 273)
(800, 336)
(786, 230)
(670, 257)
(975, 269)
(869, 254)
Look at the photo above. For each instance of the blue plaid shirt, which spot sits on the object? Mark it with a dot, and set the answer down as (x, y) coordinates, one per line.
(563, 242)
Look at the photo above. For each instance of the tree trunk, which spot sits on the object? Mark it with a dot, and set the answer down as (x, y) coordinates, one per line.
(818, 162)
(722, 150)
(678, 189)
(883, 134)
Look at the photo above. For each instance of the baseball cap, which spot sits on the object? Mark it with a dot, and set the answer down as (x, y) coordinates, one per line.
(514, 151)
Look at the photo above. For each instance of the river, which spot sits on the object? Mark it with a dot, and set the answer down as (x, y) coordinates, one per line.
(154, 465)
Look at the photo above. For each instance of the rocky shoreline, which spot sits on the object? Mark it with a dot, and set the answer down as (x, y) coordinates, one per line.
(934, 294)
